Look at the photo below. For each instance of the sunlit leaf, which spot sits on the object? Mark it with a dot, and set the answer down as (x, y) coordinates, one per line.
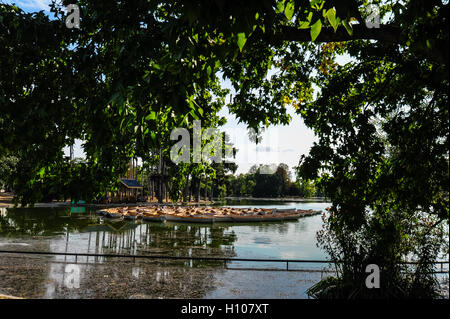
(315, 29)
(331, 15)
(280, 7)
(241, 39)
(348, 27)
(289, 10)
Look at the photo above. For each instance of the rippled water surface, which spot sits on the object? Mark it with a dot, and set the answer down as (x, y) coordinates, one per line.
(81, 230)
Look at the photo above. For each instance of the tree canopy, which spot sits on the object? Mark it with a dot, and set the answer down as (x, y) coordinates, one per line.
(135, 70)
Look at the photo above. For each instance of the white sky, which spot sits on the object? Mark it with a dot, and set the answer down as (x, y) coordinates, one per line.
(280, 143)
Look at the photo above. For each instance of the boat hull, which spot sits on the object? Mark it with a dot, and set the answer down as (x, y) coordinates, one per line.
(223, 219)
(153, 219)
(179, 219)
(130, 217)
(112, 215)
(285, 210)
(291, 217)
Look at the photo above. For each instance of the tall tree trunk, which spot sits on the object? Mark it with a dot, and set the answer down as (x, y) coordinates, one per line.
(166, 183)
(190, 188)
(160, 182)
(153, 188)
(186, 189)
(211, 191)
(197, 193)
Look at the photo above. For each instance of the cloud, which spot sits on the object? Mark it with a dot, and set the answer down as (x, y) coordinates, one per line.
(273, 149)
(264, 149)
(31, 5)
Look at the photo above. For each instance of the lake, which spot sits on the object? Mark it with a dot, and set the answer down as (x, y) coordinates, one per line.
(80, 230)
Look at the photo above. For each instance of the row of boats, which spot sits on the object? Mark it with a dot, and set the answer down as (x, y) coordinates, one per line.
(204, 214)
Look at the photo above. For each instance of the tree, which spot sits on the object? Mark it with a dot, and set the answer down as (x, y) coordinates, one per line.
(284, 174)
(382, 155)
(8, 166)
(70, 85)
(307, 188)
(267, 184)
(137, 68)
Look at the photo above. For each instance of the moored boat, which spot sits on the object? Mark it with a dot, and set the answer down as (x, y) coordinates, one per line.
(223, 219)
(284, 210)
(266, 218)
(190, 219)
(155, 218)
(248, 218)
(292, 217)
(206, 215)
(113, 215)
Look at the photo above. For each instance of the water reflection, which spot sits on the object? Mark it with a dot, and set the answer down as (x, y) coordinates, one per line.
(62, 230)
(74, 230)
(88, 233)
(39, 277)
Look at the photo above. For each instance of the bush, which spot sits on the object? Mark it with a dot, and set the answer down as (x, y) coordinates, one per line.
(386, 240)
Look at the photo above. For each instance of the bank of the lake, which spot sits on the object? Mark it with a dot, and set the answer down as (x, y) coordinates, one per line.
(275, 199)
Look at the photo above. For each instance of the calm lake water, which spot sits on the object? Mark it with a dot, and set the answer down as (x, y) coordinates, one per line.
(81, 230)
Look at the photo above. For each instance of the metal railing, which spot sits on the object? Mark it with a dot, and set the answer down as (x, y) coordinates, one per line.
(225, 260)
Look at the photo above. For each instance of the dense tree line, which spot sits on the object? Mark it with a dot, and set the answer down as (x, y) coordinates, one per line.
(267, 181)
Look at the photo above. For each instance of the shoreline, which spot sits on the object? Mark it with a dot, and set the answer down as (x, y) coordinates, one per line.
(281, 199)
(6, 202)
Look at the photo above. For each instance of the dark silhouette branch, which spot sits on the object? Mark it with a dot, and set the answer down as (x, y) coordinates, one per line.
(385, 33)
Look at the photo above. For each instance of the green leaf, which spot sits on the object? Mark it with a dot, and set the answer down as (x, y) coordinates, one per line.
(151, 116)
(331, 15)
(156, 66)
(348, 27)
(315, 29)
(304, 25)
(241, 39)
(192, 112)
(289, 10)
(280, 7)
(41, 172)
(317, 4)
